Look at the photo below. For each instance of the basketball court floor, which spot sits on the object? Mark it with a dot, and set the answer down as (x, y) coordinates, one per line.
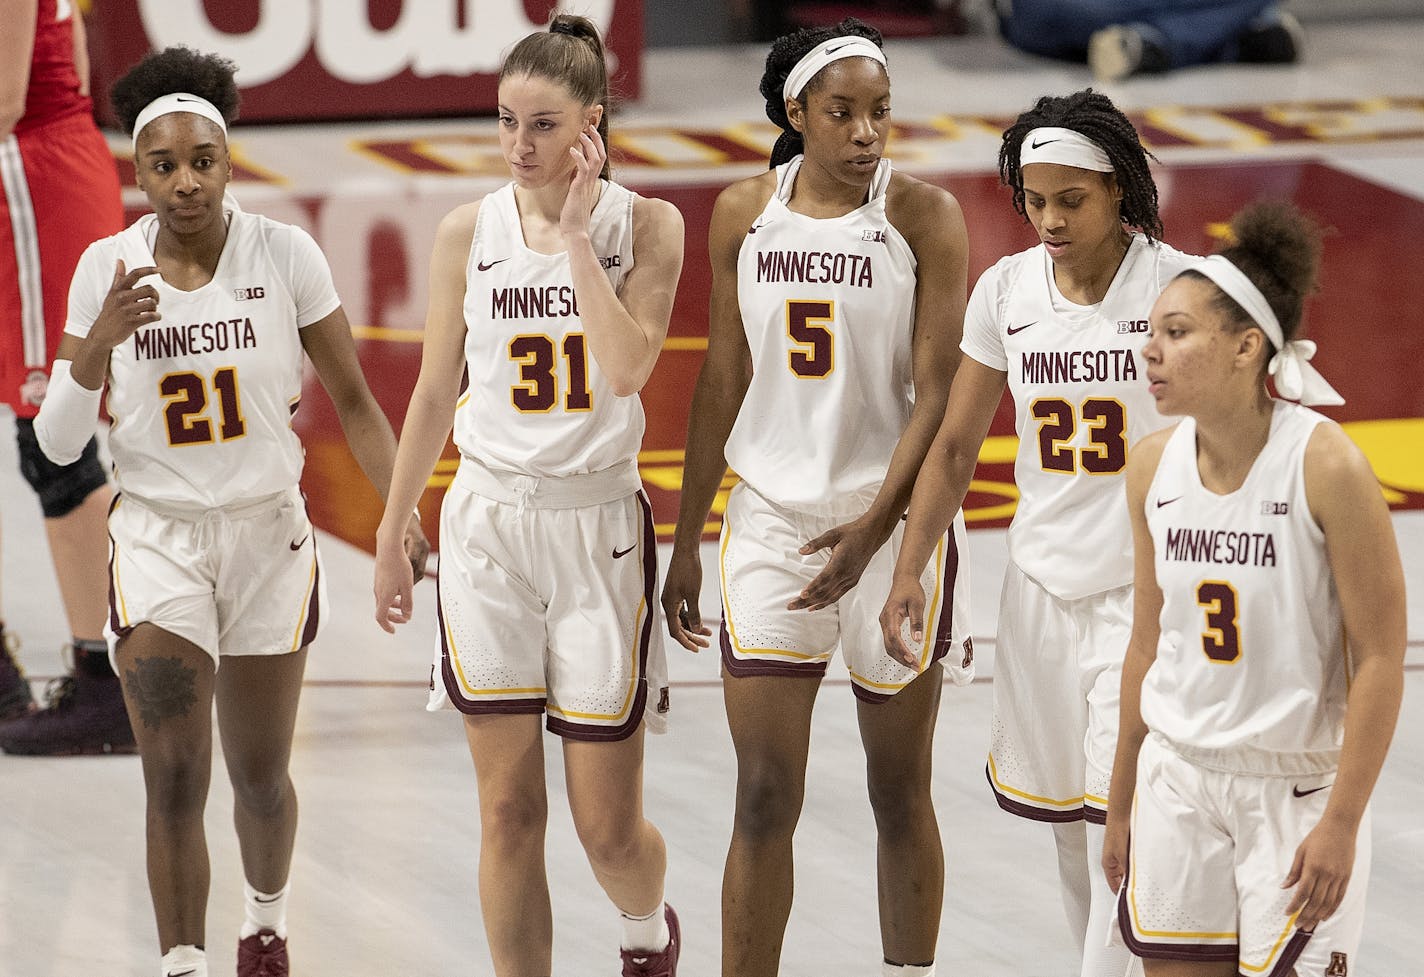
(384, 880)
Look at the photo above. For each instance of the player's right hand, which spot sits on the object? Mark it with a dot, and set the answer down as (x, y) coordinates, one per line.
(905, 603)
(680, 596)
(394, 587)
(127, 307)
(1115, 850)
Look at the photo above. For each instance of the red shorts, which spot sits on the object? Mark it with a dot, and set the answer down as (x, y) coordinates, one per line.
(61, 193)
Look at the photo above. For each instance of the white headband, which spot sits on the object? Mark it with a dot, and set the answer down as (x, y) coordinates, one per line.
(846, 46)
(1296, 379)
(177, 102)
(1066, 147)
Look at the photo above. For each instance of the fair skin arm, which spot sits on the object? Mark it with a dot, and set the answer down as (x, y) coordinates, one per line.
(1141, 653)
(332, 351)
(81, 51)
(430, 415)
(17, 43)
(931, 221)
(625, 332)
(939, 492)
(721, 387)
(1345, 501)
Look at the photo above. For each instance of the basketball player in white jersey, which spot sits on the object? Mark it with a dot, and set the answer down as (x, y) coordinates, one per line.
(837, 295)
(1265, 671)
(555, 293)
(213, 561)
(1061, 324)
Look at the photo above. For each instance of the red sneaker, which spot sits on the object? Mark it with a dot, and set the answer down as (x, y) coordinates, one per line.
(264, 954)
(640, 963)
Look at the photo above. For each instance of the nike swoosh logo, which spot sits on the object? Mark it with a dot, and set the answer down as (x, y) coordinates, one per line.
(184, 973)
(619, 554)
(1016, 329)
(486, 267)
(298, 544)
(1046, 142)
(1162, 502)
(1306, 793)
(833, 47)
(265, 902)
(180, 98)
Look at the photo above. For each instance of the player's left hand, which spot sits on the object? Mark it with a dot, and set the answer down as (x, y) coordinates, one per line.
(589, 155)
(1321, 872)
(851, 545)
(417, 548)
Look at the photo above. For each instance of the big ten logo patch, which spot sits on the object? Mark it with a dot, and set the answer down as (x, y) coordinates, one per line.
(611, 261)
(1126, 326)
(251, 292)
(1275, 508)
(1339, 966)
(873, 235)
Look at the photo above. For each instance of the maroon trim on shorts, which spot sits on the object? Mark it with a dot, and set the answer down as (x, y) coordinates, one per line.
(1202, 952)
(873, 698)
(114, 624)
(1285, 966)
(313, 599)
(743, 669)
(589, 732)
(944, 632)
(1094, 815)
(494, 707)
(1023, 810)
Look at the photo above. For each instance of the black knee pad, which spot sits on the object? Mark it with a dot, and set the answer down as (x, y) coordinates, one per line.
(61, 488)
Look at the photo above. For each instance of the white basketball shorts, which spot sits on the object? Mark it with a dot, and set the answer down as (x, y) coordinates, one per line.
(762, 571)
(241, 580)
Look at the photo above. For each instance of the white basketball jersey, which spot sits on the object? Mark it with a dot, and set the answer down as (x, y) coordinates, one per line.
(829, 311)
(1252, 649)
(537, 402)
(202, 400)
(1079, 385)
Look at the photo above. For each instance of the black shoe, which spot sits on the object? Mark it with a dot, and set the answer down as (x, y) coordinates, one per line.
(15, 697)
(83, 714)
(1276, 38)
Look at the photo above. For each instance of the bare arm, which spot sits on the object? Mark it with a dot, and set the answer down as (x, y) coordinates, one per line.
(332, 351)
(717, 398)
(626, 329)
(431, 412)
(932, 223)
(1345, 502)
(939, 492)
(81, 50)
(1141, 653)
(17, 45)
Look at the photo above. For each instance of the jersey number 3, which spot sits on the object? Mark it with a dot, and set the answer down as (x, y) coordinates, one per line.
(186, 413)
(1221, 641)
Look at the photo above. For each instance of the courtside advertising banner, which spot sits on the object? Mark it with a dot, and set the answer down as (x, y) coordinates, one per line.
(353, 59)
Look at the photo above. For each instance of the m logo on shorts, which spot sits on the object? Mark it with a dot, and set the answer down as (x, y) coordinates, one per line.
(1338, 966)
(968, 653)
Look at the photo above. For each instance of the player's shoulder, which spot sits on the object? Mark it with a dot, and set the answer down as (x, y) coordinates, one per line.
(456, 229)
(917, 208)
(1145, 457)
(654, 215)
(744, 200)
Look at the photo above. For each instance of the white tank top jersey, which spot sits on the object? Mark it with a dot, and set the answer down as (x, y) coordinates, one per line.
(828, 306)
(537, 402)
(202, 400)
(1252, 651)
(1079, 385)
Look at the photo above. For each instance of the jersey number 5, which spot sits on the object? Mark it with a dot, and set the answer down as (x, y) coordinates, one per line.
(538, 389)
(813, 354)
(186, 413)
(1106, 450)
(1221, 641)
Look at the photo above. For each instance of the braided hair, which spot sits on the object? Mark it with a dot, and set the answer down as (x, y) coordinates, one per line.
(1095, 116)
(1278, 248)
(172, 70)
(785, 52)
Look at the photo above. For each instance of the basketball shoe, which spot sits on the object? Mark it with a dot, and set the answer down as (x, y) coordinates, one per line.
(83, 714)
(263, 954)
(15, 697)
(641, 963)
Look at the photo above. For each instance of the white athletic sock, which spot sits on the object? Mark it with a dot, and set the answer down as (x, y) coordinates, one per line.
(265, 911)
(1100, 959)
(184, 960)
(1073, 869)
(648, 932)
(888, 969)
